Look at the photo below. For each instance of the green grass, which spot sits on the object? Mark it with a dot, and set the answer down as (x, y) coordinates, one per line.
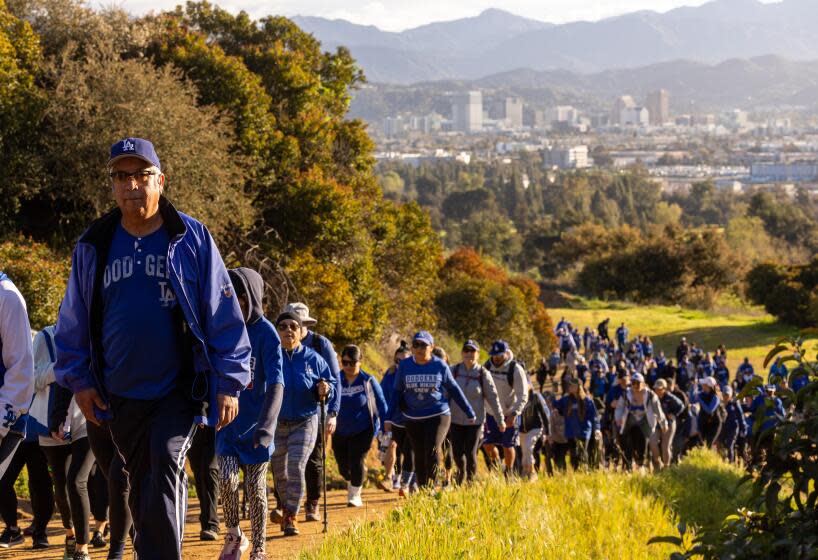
(747, 332)
(597, 515)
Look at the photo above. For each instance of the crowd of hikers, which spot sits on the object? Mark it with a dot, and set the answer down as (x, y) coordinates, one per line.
(595, 402)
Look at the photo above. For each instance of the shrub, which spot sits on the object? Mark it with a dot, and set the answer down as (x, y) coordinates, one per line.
(39, 274)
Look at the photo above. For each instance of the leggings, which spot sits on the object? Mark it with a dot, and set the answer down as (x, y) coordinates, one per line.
(256, 488)
(40, 488)
(465, 441)
(74, 477)
(98, 494)
(427, 437)
(111, 465)
(294, 441)
(636, 446)
(406, 456)
(350, 453)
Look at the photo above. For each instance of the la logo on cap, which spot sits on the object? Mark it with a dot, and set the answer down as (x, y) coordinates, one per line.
(127, 146)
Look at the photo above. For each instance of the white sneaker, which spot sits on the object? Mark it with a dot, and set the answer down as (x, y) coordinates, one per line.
(234, 546)
(354, 497)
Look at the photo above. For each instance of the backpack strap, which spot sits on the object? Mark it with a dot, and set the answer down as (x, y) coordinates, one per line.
(370, 400)
(50, 345)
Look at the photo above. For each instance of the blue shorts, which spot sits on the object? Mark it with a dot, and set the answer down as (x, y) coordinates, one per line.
(508, 439)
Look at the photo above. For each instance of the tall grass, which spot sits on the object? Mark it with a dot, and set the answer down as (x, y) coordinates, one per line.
(596, 515)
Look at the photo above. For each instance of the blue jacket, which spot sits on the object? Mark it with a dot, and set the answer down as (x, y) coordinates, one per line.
(734, 425)
(236, 439)
(323, 346)
(388, 388)
(363, 406)
(771, 408)
(419, 390)
(576, 427)
(302, 371)
(219, 344)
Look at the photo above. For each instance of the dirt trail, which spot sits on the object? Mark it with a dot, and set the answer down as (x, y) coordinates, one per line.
(376, 504)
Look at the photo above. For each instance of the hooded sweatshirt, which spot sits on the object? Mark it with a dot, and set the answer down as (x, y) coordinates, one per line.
(478, 387)
(17, 364)
(512, 398)
(266, 378)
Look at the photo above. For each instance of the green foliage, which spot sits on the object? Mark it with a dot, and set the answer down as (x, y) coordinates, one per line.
(788, 292)
(39, 274)
(478, 300)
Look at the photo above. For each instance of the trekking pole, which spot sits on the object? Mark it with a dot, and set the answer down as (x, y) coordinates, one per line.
(324, 458)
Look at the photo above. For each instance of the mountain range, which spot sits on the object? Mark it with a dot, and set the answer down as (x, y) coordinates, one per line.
(496, 41)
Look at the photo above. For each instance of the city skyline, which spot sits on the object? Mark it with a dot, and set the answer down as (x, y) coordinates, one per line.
(396, 15)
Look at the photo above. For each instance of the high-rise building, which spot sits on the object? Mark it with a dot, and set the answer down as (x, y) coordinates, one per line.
(620, 104)
(467, 111)
(658, 106)
(634, 116)
(561, 114)
(514, 111)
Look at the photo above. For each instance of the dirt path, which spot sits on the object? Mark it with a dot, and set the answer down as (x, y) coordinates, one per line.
(376, 504)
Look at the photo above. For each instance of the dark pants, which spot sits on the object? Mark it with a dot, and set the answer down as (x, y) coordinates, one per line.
(314, 471)
(350, 452)
(98, 493)
(112, 466)
(205, 467)
(427, 438)
(154, 438)
(73, 476)
(407, 464)
(636, 446)
(8, 445)
(40, 488)
(465, 441)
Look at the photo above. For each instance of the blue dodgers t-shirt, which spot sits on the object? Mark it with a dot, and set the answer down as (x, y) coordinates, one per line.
(141, 344)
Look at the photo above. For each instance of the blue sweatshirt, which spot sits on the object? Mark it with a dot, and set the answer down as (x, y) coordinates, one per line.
(773, 411)
(418, 390)
(323, 346)
(576, 427)
(302, 370)
(236, 438)
(735, 424)
(358, 411)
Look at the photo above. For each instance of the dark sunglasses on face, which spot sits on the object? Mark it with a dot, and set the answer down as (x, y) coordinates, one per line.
(418, 344)
(288, 326)
(348, 363)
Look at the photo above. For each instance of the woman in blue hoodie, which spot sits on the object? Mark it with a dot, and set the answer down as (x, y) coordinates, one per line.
(418, 394)
(399, 449)
(581, 421)
(359, 420)
(246, 443)
(308, 380)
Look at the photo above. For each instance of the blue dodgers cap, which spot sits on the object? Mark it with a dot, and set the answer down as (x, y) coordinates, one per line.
(424, 336)
(470, 345)
(499, 347)
(134, 147)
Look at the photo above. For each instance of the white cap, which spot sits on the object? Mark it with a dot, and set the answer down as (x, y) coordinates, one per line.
(302, 311)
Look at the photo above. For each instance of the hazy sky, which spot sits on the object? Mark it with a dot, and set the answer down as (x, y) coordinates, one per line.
(396, 15)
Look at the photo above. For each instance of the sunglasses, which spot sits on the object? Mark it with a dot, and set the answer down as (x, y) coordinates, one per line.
(348, 363)
(288, 326)
(418, 344)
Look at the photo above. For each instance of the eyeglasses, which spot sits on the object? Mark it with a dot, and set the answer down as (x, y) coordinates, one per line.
(348, 363)
(288, 326)
(142, 176)
(418, 344)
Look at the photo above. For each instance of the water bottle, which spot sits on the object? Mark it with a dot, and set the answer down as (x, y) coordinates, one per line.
(384, 440)
(66, 433)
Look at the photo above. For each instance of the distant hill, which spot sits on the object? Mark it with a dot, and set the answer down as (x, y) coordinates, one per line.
(497, 41)
(744, 83)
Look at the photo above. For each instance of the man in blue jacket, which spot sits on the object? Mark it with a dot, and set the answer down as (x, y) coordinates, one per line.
(151, 340)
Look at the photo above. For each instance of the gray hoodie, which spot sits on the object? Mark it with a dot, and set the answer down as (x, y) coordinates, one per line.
(512, 399)
(479, 389)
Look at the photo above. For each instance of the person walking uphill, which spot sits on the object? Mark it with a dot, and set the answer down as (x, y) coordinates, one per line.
(512, 387)
(246, 443)
(308, 380)
(151, 340)
(418, 393)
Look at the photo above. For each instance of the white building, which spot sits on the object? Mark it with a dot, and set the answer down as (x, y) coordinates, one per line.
(620, 104)
(575, 157)
(562, 114)
(634, 116)
(467, 112)
(784, 172)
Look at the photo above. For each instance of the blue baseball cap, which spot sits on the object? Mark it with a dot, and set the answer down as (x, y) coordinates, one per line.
(424, 336)
(499, 347)
(470, 345)
(134, 147)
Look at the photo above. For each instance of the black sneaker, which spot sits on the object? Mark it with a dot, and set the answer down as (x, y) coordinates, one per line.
(29, 531)
(70, 548)
(78, 555)
(11, 537)
(98, 541)
(39, 540)
(208, 535)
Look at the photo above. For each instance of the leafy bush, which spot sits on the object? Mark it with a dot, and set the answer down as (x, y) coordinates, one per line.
(39, 274)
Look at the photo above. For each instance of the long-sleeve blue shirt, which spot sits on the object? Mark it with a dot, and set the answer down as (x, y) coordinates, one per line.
(735, 423)
(419, 390)
(302, 369)
(358, 413)
(576, 427)
(323, 346)
(773, 412)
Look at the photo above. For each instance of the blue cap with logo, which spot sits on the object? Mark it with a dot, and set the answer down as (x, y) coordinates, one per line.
(499, 348)
(424, 336)
(134, 147)
(470, 345)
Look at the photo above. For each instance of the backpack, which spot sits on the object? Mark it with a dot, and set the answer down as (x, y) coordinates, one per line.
(510, 373)
(456, 371)
(370, 401)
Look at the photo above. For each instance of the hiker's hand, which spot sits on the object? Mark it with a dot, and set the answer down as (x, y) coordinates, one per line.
(323, 389)
(510, 421)
(332, 423)
(87, 399)
(502, 427)
(228, 410)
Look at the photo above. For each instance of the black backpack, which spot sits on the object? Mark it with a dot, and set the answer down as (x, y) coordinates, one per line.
(510, 373)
